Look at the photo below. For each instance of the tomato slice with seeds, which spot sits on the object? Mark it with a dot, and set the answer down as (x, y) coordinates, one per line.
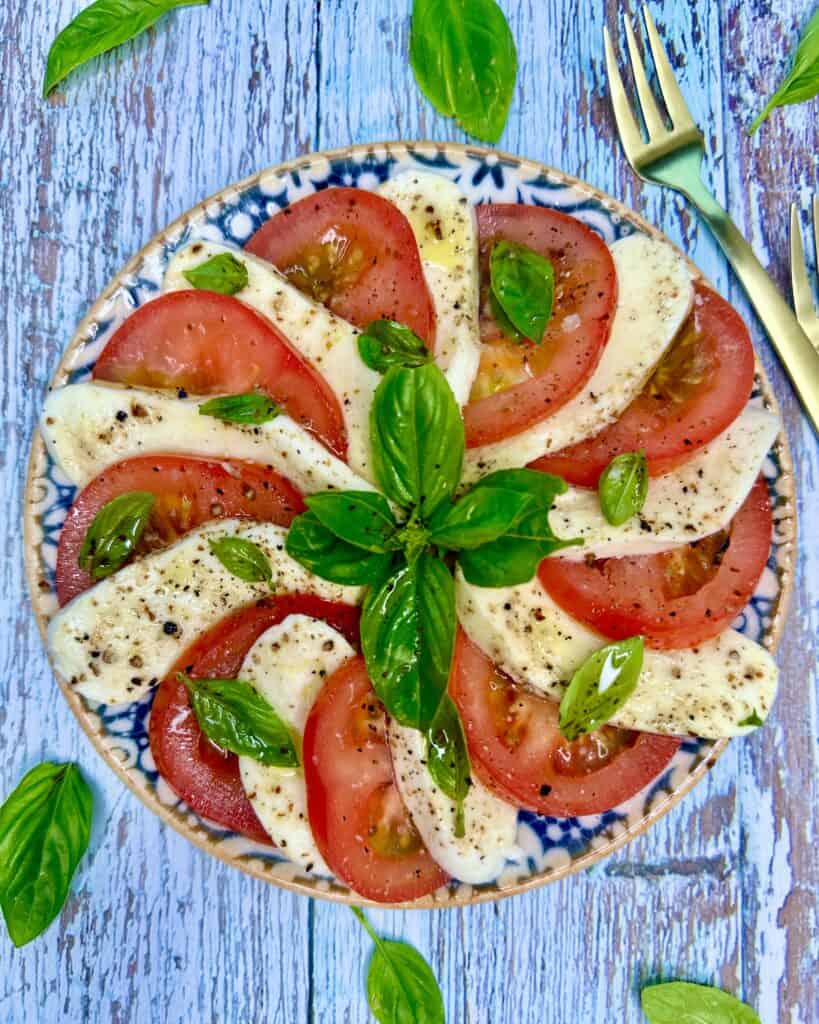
(189, 492)
(359, 821)
(517, 750)
(519, 385)
(696, 391)
(206, 344)
(353, 251)
(204, 776)
(677, 598)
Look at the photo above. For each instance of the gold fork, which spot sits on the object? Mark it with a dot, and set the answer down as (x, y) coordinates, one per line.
(673, 156)
(806, 313)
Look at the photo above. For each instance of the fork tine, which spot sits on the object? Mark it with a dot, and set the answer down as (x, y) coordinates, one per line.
(672, 97)
(802, 298)
(655, 125)
(630, 135)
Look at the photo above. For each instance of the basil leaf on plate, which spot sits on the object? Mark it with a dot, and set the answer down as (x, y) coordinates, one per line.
(115, 533)
(448, 758)
(802, 81)
(681, 1002)
(252, 408)
(523, 283)
(99, 27)
(417, 438)
(45, 825)
(623, 487)
(386, 343)
(237, 718)
(361, 518)
(600, 687)
(242, 558)
(507, 328)
(481, 516)
(753, 720)
(322, 552)
(542, 487)
(465, 62)
(223, 273)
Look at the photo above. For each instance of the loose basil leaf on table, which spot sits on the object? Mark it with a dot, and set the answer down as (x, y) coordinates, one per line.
(481, 516)
(523, 283)
(623, 487)
(223, 273)
(802, 81)
(251, 408)
(242, 558)
(236, 718)
(465, 62)
(115, 533)
(102, 26)
(600, 687)
(45, 825)
(448, 758)
(386, 343)
(361, 518)
(682, 1002)
(323, 553)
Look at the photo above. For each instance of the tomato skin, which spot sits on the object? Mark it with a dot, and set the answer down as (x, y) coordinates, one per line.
(670, 434)
(526, 769)
(206, 778)
(621, 597)
(205, 344)
(585, 290)
(208, 489)
(385, 280)
(348, 770)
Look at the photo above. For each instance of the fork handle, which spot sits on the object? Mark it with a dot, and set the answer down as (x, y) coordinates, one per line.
(792, 345)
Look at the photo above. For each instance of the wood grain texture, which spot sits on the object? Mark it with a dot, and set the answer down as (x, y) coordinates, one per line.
(724, 889)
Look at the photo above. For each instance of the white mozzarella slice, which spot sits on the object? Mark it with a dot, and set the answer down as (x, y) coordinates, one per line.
(490, 823)
(112, 643)
(693, 501)
(655, 295)
(702, 691)
(88, 427)
(287, 666)
(446, 230)
(329, 343)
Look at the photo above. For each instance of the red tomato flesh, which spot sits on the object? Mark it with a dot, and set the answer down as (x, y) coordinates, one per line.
(206, 344)
(201, 774)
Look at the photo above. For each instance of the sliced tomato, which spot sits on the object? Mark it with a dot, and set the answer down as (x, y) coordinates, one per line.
(359, 821)
(696, 391)
(519, 385)
(189, 492)
(353, 251)
(204, 776)
(674, 599)
(204, 343)
(517, 750)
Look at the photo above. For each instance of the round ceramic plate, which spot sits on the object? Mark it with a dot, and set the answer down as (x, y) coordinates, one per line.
(552, 847)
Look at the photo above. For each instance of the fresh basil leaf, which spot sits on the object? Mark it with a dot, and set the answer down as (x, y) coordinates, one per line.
(681, 1002)
(407, 638)
(752, 720)
(465, 62)
(507, 328)
(242, 558)
(448, 758)
(401, 988)
(361, 518)
(223, 274)
(542, 487)
(115, 533)
(45, 825)
(100, 27)
(623, 487)
(322, 552)
(481, 516)
(601, 686)
(386, 343)
(802, 81)
(417, 438)
(237, 718)
(523, 283)
(251, 408)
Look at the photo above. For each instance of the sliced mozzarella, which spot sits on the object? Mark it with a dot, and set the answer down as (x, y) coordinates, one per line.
(695, 500)
(655, 295)
(490, 823)
(288, 665)
(702, 691)
(112, 643)
(446, 230)
(88, 427)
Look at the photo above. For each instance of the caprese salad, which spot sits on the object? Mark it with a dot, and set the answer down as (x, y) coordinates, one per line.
(409, 515)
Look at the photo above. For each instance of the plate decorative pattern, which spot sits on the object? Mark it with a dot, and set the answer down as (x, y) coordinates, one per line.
(551, 847)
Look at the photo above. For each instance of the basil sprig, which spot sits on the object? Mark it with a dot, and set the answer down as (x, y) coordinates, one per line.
(45, 825)
(600, 687)
(237, 718)
(386, 343)
(318, 549)
(362, 518)
(623, 487)
(681, 1002)
(448, 758)
(251, 408)
(115, 533)
(802, 81)
(242, 558)
(522, 284)
(223, 273)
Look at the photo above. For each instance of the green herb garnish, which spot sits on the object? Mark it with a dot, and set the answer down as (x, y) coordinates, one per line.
(680, 1002)
(523, 286)
(386, 343)
(802, 81)
(448, 758)
(623, 487)
(115, 533)
(753, 720)
(252, 408)
(242, 558)
(600, 687)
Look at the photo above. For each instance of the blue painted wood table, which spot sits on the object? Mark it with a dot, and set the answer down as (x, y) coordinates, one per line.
(724, 889)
